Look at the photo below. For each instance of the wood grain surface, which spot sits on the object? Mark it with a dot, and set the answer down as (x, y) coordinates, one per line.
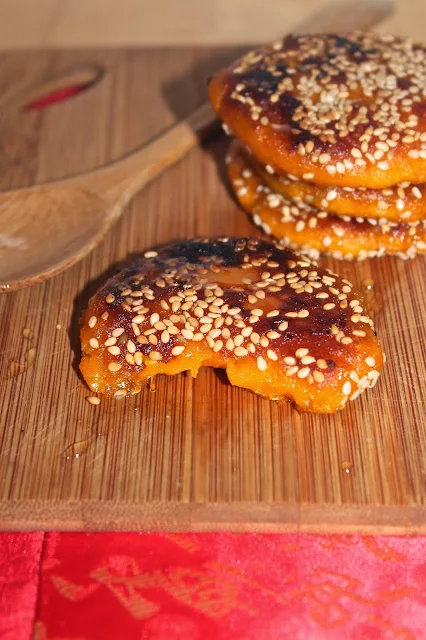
(193, 454)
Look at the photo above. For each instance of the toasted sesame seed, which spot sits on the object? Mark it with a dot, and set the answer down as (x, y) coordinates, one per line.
(187, 334)
(218, 345)
(370, 361)
(176, 351)
(115, 351)
(318, 376)
(114, 366)
(261, 363)
(322, 364)
(347, 388)
(94, 343)
(92, 321)
(359, 333)
(300, 353)
(292, 370)
(302, 373)
(116, 333)
(155, 356)
(93, 400)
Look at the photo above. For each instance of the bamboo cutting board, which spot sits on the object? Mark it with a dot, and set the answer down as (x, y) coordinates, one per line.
(194, 454)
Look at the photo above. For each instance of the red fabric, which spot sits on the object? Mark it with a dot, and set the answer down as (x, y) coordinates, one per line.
(20, 555)
(212, 586)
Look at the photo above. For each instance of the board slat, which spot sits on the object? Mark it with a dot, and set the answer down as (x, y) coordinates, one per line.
(194, 454)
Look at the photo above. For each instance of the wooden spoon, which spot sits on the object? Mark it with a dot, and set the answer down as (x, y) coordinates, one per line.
(45, 229)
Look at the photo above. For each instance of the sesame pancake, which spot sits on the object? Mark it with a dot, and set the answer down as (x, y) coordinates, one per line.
(278, 324)
(314, 232)
(332, 110)
(403, 203)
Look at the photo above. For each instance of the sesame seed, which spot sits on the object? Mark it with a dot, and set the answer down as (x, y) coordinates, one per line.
(370, 361)
(347, 388)
(302, 373)
(116, 333)
(261, 363)
(94, 343)
(155, 356)
(165, 337)
(114, 366)
(292, 370)
(300, 353)
(115, 351)
(92, 321)
(93, 400)
(318, 376)
(131, 348)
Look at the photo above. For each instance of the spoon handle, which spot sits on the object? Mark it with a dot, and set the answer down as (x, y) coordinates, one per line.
(122, 179)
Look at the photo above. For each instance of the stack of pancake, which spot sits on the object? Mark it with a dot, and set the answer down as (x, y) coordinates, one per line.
(330, 148)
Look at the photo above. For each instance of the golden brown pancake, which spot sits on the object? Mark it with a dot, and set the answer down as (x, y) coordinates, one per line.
(332, 110)
(403, 203)
(314, 232)
(280, 326)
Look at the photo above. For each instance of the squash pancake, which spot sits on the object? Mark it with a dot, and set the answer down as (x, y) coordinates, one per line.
(280, 326)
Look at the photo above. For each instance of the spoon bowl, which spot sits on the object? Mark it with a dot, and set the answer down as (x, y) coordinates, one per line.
(46, 229)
